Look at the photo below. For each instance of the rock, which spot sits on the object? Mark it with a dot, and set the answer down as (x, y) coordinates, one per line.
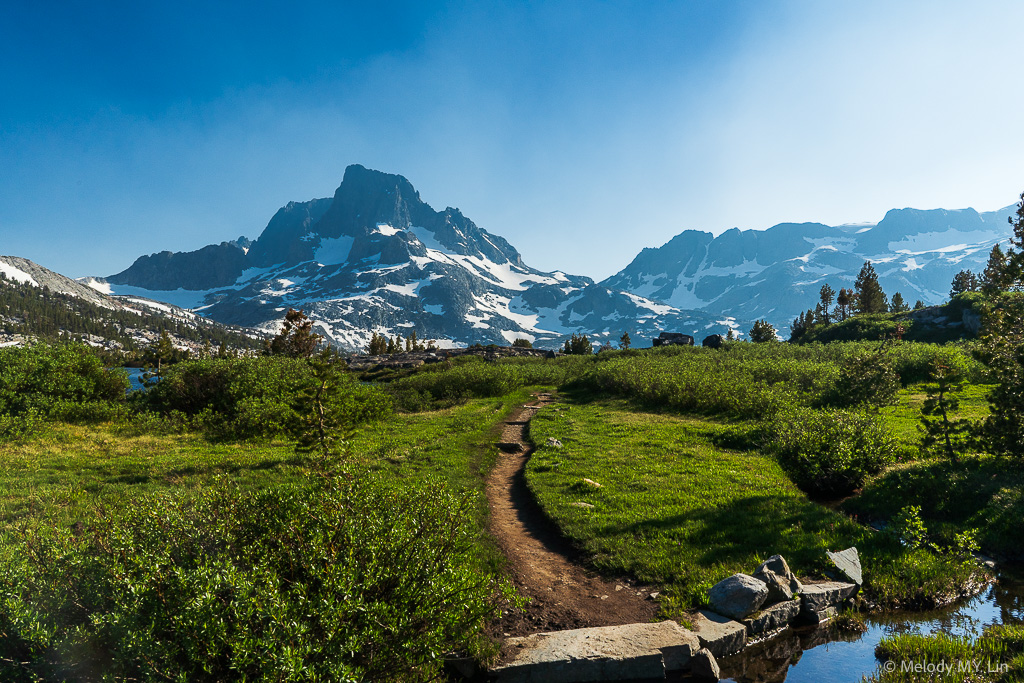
(817, 617)
(580, 504)
(703, 666)
(714, 341)
(848, 562)
(737, 596)
(552, 441)
(772, 618)
(817, 596)
(778, 564)
(720, 635)
(594, 484)
(607, 653)
(778, 588)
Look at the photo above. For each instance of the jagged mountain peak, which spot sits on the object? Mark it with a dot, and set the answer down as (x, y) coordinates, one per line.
(377, 258)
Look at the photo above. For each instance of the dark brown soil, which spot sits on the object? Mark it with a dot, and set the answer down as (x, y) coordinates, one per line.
(543, 565)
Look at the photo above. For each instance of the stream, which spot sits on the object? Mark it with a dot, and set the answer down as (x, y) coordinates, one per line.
(818, 655)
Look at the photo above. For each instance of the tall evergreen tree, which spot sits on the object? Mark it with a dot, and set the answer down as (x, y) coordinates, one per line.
(898, 305)
(762, 332)
(296, 338)
(964, 281)
(827, 296)
(993, 278)
(870, 297)
(624, 341)
(844, 302)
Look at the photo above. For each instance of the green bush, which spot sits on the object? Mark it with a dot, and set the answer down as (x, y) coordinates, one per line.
(829, 452)
(347, 581)
(66, 381)
(244, 398)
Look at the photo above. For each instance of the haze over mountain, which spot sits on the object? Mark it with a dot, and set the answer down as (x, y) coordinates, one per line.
(777, 273)
(377, 259)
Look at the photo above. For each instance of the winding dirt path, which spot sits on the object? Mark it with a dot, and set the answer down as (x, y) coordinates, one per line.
(544, 566)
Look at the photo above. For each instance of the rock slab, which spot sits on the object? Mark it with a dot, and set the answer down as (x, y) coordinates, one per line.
(772, 618)
(719, 635)
(815, 597)
(737, 596)
(607, 653)
(704, 667)
(848, 562)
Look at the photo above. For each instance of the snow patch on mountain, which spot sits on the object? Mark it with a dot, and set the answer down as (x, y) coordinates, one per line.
(17, 274)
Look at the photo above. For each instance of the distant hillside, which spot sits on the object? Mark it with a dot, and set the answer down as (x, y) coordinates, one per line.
(37, 303)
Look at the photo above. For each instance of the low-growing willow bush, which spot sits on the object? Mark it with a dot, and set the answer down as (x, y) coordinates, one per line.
(473, 377)
(829, 452)
(341, 580)
(62, 381)
(244, 398)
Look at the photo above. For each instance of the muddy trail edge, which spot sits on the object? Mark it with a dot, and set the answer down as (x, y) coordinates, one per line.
(543, 565)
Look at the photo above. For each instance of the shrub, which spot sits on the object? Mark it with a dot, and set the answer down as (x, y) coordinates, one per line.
(829, 452)
(336, 581)
(254, 397)
(48, 380)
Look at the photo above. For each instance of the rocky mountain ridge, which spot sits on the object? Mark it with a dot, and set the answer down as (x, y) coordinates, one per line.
(777, 273)
(377, 259)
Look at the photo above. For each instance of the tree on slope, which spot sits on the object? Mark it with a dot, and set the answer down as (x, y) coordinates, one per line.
(1003, 351)
(762, 332)
(827, 296)
(296, 338)
(898, 305)
(964, 281)
(870, 297)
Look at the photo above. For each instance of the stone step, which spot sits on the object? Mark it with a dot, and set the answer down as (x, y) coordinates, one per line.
(720, 635)
(606, 653)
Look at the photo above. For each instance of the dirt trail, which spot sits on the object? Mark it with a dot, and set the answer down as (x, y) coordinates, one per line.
(544, 566)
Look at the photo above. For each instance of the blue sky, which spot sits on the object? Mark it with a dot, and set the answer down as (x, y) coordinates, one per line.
(580, 131)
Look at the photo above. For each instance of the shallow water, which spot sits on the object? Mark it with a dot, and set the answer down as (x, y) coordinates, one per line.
(810, 657)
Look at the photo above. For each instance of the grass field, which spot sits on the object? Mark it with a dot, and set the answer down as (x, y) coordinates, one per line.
(677, 509)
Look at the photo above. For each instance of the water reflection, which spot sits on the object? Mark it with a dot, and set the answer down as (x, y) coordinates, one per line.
(810, 656)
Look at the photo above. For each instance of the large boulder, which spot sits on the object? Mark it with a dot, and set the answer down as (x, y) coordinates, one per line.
(714, 341)
(777, 564)
(738, 596)
(779, 589)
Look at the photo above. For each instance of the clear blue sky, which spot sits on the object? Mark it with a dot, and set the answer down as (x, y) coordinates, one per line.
(580, 131)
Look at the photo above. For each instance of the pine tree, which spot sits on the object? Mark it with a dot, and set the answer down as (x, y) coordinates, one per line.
(296, 338)
(730, 335)
(870, 297)
(918, 305)
(762, 332)
(578, 345)
(521, 343)
(993, 279)
(844, 302)
(941, 432)
(964, 281)
(378, 345)
(898, 305)
(827, 295)
(624, 341)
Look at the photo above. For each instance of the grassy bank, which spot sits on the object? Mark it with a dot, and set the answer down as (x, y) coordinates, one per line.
(994, 656)
(677, 506)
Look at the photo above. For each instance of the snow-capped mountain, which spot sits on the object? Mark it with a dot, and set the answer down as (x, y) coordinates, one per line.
(777, 273)
(376, 259)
